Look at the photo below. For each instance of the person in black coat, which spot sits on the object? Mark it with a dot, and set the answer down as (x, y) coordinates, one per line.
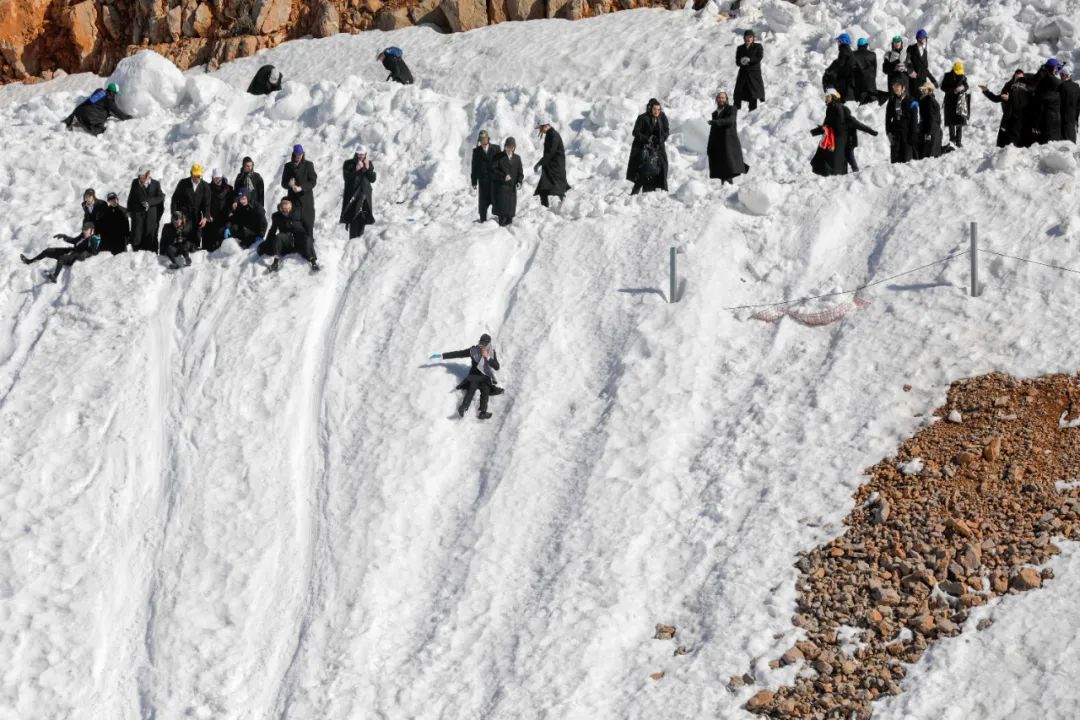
(192, 198)
(247, 220)
(1013, 98)
(92, 208)
(854, 127)
(267, 80)
(894, 64)
(359, 173)
(1047, 113)
(929, 123)
(113, 226)
(1070, 105)
(299, 179)
(179, 239)
(483, 172)
(221, 201)
(289, 233)
(394, 63)
(648, 165)
(749, 87)
(864, 78)
(902, 124)
(957, 105)
(552, 165)
(145, 204)
(840, 75)
(724, 149)
(918, 62)
(481, 375)
(252, 181)
(509, 175)
(84, 245)
(830, 157)
(92, 113)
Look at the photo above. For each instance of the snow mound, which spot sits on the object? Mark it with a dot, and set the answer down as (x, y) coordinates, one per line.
(759, 197)
(148, 82)
(1059, 160)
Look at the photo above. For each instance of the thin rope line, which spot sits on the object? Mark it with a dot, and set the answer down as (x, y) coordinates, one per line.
(1028, 260)
(848, 292)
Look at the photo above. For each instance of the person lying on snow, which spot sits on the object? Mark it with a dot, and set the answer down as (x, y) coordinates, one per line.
(481, 375)
(92, 113)
(84, 245)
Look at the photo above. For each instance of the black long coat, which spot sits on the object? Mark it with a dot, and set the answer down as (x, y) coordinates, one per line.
(113, 228)
(920, 63)
(254, 183)
(902, 127)
(832, 162)
(145, 221)
(1048, 100)
(929, 127)
(1013, 112)
(505, 205)
(748, 83)
(552, 166)
(194, 203)
(261, 85)
(894, 66)
(955, 88)
(221, 200)
(1070, 109)
(94, 212)
(93, 114)
(399, 71)
(840, 75)
(724, 148)
(483, 163)
(304, 174)
(864, 80)
(649, 129)
(356, 200)
(251, 217)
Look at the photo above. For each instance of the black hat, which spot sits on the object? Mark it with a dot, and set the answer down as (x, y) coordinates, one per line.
(88, 225)
(485, 339)
(178, 215)
(748, 33)
(247, 160)
(111, 196)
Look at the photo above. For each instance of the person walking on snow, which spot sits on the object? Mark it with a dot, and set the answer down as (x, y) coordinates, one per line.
(483, 172)
(749, 87)
(648, 165)
(864, 80)
(854, 127)
(179, 239)
(393, 60)
(929, 122)
(841, 72)
(1013, 98)
(289, 233)
(481, 375)
(299, 179)
(92, 113)
(551, 166)
(724, 149)
(509, 175)
(84, 245)
(1070, 105)
(145, 204)
(830, 157)
(957, 108)
(252, 181)
(359, 173)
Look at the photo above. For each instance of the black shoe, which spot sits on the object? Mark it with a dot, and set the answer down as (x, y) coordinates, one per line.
(24, 258)
(187, 260)
(315, 266)
(275, 266)
(483, 415)
(50, 276)
(461, 411)
(496, 390)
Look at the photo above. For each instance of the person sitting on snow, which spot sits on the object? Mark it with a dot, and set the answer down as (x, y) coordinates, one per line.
(289, 233)
(267, 80)
(391, 59)
(247, 220)
(84, 245)
(178, 240)
(92, 113)
(481, 375)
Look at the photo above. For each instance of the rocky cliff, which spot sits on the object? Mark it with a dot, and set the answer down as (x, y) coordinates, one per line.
(40, 37)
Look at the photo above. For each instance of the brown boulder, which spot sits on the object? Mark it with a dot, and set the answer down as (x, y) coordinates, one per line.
(465, 15)
(393, 19)
(81, 22)
(496, 10)
(202, 20)
(760, 701)
(525, 9)
(1026, 579)
(327, 20)
(272, 16)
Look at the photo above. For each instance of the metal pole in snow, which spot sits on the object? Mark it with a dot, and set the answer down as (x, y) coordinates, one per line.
(974, 259)
(674, 278)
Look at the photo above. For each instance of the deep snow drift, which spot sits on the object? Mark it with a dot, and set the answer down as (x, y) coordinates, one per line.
(229, 495)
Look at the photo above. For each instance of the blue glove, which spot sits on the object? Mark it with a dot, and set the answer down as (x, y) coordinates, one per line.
(436, 356)
(227, 234)
(258, 238)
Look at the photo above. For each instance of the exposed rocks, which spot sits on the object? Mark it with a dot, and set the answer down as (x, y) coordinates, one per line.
(943, 527)
(664, 632)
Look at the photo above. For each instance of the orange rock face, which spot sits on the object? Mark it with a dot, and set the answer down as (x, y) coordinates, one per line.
(39, 37)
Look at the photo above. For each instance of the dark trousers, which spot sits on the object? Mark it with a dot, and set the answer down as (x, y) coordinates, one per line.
(64, 257)
(956, 135)
(849, 156)
(176, 251)
(544, 198)
(287, 243)
(213, 236)
(505, 220)
(751, 104)
(900, 152)
(485, 192)
(244, 236)
(143, 234)
(472, 384)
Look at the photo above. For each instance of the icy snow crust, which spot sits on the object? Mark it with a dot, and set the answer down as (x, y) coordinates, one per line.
(229, 495)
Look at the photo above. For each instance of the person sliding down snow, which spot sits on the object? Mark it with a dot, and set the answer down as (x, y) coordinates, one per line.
(481, 375)
(267, 80)
(289, 233)
(247, 220)
(391, 59)
(86, 245)
(178, 239)
(92, 113)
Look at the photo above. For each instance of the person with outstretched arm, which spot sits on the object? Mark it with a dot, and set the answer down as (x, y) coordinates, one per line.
(481, 375)
(84, 245)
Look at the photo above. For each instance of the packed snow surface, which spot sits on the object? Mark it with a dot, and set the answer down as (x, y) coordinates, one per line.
(237, 496)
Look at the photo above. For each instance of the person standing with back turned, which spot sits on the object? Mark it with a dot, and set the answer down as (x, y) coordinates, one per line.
(552, 166)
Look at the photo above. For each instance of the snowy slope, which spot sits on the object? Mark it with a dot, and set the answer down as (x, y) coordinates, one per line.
(239, 496)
